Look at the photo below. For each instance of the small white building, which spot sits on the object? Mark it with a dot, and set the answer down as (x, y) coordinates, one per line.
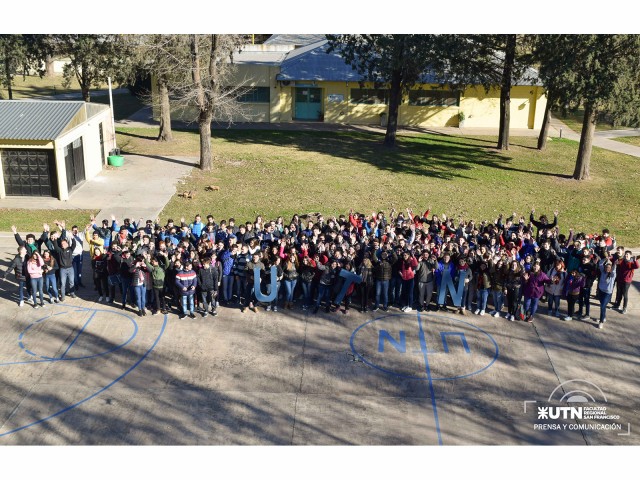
(49, 147)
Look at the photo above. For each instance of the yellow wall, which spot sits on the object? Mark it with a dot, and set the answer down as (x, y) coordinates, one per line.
(481, 109)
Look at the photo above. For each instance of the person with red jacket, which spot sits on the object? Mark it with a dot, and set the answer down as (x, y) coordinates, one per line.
(625, 267)
(408, 265)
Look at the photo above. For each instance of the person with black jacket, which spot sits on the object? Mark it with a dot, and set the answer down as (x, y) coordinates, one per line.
(65, 261)
(328, 274)
(100, 274)
(19, 267)
(126, 275)
(382, 271)
(209, 277)
(426, 279)
(365, 270)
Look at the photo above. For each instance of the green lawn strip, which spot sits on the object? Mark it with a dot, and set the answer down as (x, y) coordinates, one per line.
(281, 173)
(574, 119)
(30, 221)
(630, 140)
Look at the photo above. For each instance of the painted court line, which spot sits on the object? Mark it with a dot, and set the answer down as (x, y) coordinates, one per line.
(79, 333)
(423, 347)
(77, 404)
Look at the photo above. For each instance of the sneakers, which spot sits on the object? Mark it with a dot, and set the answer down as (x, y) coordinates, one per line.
(623, 311)
(407, 309)
(585, 317)
(21, 304)
(62, 299)
(192, 315)
(155, 312)
(181, 316)
(601, 325)
(511, 318)
(495, 314)
(477, 311)
(567, 318)
(100, 299)
(214, 313)
(481, 312)
(375, 309)
(205, 314)
(268, 308)
(72, 295)
(275, 309)
(36, 306)
(108, 300)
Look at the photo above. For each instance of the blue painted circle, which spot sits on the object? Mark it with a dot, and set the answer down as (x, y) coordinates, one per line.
(70, 359)
(425, 377)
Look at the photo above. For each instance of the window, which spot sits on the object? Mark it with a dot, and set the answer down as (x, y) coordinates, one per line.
(254, 95)
(434, 98)
(370, 96)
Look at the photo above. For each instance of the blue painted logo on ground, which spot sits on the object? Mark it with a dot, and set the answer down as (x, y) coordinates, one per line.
(400, 344)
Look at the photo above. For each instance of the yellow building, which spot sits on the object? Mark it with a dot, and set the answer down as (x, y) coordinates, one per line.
(287, 81)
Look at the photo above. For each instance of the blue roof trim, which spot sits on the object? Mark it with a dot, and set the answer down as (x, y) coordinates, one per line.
(315, 63)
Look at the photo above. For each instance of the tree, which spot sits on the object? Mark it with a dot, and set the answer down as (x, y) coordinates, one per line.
(159, 55)
(94, 58)
(211, 89)
(493, 61)
(399, 61)
(13, 55)
(597, 72)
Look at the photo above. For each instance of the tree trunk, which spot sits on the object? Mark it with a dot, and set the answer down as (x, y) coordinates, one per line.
(505, 93)
(48, 65)
(395, 95)
(544, 131)
(166, 134)
(7, 72)
(586, 142)
(204, 126)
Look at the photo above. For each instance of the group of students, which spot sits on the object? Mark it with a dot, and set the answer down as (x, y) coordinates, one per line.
(401, 261)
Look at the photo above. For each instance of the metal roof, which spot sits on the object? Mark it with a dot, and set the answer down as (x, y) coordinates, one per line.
(35, 119)
(293, 39)
(314, 63)
(259, 57)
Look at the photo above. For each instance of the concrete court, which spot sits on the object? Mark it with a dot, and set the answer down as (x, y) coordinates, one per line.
(88, 374)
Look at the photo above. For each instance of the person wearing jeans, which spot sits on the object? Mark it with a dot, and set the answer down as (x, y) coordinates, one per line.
(34, 267)
(65, 260)
(138, 275)
(186, 283)
(18, 265)
(484, 285)
(625, 266)
(534, 282)
(290, 270)
(606, 283)
(49, 269)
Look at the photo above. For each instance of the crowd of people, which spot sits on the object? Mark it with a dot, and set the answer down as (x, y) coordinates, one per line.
(401, 260)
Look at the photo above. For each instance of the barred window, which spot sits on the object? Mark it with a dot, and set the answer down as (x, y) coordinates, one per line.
(434, 98)
(255, 95)
(370, 96)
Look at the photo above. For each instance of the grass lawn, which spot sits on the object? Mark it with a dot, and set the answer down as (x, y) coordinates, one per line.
(574, 120)
(630, 140)
(32, 86)
(31, 220)
(281, 173)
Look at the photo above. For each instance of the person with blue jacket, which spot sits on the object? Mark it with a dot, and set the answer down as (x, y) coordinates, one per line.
(186, 283)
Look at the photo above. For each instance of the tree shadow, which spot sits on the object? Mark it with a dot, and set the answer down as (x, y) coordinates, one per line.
(440, 156)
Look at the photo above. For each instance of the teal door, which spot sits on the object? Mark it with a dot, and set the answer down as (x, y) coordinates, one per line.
(308, 103)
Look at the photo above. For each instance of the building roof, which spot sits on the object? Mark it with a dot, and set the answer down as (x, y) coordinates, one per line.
(299, 40)
(313, 62)
(41, 119)
(259, 57)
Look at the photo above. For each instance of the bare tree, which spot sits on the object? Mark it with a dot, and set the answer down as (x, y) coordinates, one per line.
(212, 90)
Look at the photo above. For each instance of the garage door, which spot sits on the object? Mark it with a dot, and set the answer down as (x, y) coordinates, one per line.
(29, 173)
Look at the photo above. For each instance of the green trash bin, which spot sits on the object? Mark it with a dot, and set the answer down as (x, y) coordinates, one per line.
(116, 160)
